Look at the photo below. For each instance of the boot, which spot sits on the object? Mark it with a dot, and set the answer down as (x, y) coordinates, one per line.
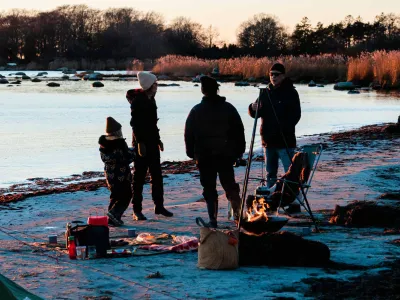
(236, 210)
(161, 210)
(113, 220)
(138, 216)
(212, 213)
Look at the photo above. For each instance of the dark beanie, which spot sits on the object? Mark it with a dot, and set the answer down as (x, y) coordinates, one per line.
(278, 67)
(112, 125)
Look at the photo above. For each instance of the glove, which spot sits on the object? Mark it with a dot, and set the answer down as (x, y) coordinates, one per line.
(254, 105)
(161, 146)
(142, 149)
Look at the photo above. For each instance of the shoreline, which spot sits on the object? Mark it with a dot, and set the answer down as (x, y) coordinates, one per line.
(93, 180)
(357, 165)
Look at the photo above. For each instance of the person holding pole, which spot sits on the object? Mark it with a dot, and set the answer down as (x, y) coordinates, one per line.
(279, 112)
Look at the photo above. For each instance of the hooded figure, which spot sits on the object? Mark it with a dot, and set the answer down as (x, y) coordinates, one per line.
(146, 139)
(116, 155)
(214, 137)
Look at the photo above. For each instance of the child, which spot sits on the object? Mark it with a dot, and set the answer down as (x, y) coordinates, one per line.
(116, 156)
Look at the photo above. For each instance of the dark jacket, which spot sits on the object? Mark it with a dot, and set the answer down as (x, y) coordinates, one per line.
(286, 102)
(143, 118)
(214, 128)
(116, 157)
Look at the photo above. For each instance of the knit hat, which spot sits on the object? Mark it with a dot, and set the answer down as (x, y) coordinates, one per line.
(112, 126)
(278, 67)
(146, 80)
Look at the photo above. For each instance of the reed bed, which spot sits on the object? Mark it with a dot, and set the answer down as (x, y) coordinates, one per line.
(323, 67)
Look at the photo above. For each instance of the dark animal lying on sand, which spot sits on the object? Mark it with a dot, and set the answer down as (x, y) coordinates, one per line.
(281, 249)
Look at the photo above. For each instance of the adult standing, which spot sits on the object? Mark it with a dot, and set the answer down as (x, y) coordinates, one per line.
(214, 137)
(147, 142)
(280, 112)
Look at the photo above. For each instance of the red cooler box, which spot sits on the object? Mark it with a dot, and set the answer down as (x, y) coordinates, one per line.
(98, 220)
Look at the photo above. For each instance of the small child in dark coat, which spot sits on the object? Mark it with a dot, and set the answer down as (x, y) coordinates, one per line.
(116, 156)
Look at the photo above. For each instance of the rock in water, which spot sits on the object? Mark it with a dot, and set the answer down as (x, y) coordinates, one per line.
(97, 84)
(53, 84)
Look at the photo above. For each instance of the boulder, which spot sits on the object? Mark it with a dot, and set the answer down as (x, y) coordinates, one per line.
(1, 76)
(320, 85)
(353, 92)
(242, 83)
(53, 84)
(345, 86)
(42, 74)
(16, 82)
(94, 76)
(312, 83)
(215, 71)
(20, 74)
(26, 77)
(36, 80)
(65, 77)
(69, 72)
(74, 78)
(97, 84)
(3, 81)
(163, 77)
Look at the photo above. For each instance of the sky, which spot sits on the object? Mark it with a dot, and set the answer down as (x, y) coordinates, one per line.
(227, 15)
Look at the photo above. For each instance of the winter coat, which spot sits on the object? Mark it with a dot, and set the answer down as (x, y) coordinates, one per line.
(143, 118)
(286, 102)
(116, 157)
(214, 128)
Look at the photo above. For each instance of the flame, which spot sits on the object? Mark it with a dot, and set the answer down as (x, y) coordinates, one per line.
(257, 210)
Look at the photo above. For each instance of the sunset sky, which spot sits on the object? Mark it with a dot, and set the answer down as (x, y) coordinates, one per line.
(227, 15)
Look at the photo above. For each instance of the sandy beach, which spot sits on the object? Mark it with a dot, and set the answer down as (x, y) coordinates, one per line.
(359, 165)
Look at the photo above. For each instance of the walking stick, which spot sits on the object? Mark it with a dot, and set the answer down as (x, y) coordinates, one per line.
(246, 176)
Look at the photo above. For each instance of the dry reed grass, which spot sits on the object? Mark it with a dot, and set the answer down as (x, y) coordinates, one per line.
(382, 67)
(328, 67)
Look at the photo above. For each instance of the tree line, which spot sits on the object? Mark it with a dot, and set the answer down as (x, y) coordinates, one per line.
(80, 32)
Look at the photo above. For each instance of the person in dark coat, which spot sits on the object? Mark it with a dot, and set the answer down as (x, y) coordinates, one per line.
(278, 121)
(214, 137)
(146, 140)
(116, 155)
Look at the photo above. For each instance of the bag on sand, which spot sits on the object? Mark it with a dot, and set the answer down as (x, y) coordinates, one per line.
(218, 250)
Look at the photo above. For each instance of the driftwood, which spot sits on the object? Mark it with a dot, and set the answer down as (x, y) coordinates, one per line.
(366, 213)
(281, 249)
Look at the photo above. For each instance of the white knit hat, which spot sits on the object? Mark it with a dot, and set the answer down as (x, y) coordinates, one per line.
(146, 80)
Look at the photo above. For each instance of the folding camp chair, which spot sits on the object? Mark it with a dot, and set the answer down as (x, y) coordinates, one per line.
(313, 155)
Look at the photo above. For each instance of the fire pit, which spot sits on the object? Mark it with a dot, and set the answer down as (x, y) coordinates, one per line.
(258, 221)
(263, 225)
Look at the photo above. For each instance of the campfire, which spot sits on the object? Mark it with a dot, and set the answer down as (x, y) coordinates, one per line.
(257, 212)
(258, 222)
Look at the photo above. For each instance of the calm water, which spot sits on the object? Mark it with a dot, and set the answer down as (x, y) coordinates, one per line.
(53, 132)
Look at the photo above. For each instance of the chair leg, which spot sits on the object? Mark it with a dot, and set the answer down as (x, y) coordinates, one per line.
(307, 207)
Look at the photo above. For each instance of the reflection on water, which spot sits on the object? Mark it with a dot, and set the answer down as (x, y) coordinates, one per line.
(52, 132)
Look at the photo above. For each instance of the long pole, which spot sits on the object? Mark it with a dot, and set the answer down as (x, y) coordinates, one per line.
(249, 159)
